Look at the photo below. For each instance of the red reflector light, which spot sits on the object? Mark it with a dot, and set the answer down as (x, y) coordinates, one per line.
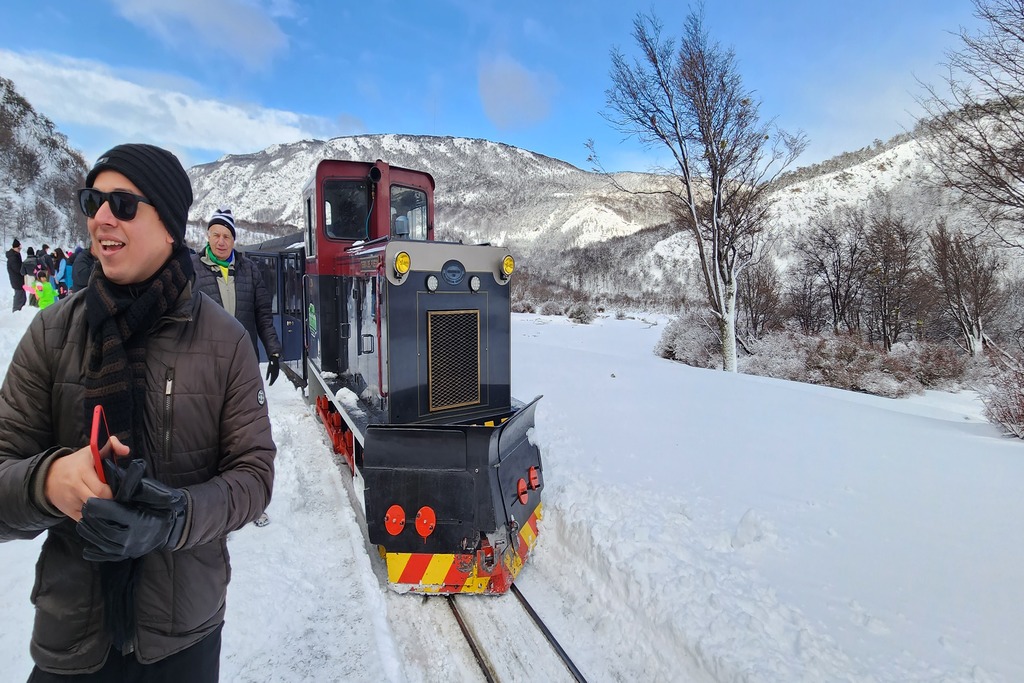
(534, 474)
(524, 494)
(394, 520)
(426, 520)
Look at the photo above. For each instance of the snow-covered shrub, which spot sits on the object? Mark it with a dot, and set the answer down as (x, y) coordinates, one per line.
(846, 362)
(690, 339)
(892, 376)
(936, 366)
(581, 312)
(1004, 401)
(523, 306)
(620, 314)
(838, 361)
(551, 308)
(782, 355)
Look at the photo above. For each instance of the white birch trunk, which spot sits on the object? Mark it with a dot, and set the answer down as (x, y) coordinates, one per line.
(729, 363)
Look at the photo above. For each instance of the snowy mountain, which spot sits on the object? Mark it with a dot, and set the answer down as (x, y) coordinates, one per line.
(568, 226)
(39, 173)
(486, 191)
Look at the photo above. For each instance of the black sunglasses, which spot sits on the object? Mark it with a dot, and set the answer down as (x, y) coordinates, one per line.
(123, 205)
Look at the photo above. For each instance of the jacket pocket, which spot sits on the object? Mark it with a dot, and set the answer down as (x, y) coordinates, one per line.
(66, 596)
(185, 590)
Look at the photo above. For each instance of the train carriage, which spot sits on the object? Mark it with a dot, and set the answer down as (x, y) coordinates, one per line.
(406, 353)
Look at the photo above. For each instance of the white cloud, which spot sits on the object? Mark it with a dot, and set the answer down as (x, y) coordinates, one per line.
(240, 31)
(87, 94)
(512, 95)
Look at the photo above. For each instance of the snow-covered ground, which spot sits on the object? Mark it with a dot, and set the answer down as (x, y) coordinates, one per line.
(698, 526)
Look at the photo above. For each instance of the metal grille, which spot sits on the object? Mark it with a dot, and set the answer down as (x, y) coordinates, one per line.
(453, 356)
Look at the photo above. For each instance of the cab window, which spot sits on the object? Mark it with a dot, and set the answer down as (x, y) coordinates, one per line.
(347, 209)
(408, 213)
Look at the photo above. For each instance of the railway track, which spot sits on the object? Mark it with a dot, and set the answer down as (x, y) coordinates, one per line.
(521, 649)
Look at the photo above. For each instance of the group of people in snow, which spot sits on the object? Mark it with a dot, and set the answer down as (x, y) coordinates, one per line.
(40, 278)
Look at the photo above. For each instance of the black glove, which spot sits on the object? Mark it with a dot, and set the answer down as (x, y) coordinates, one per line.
(123, 480)
(117, 532)
(132, 488)
(273, 368)
(144, 516)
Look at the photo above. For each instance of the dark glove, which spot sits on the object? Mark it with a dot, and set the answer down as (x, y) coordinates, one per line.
(123, 480)
(273, 368)
(132, 488)
(146, 516)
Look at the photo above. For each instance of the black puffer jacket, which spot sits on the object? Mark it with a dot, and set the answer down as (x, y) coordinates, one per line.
(81, 270)
(202, 377)
(14, 269)
(253, 306)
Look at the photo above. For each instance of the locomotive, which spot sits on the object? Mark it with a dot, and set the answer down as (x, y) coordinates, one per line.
(403, 345)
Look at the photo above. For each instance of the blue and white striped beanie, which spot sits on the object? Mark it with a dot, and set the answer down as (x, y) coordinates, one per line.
(223, 217)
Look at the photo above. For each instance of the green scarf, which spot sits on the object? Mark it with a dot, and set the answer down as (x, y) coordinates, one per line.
(225, 266)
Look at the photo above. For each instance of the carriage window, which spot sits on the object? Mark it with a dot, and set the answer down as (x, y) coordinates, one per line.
(268, 271)
(293, 286)
(347, 209)
(408, 213)
(310, 232)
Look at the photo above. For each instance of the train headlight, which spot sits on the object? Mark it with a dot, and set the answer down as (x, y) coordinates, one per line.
(508, 264)
(432, 283)
(474, 283)
(402, 263)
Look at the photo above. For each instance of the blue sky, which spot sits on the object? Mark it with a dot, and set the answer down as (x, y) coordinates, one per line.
(210, 77)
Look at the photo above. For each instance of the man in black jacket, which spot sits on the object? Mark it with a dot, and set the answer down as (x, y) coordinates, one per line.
(235, 283)
(131, 582)
(14, 272)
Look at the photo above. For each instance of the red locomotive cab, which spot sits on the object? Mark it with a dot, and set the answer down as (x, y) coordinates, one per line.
(350, 203)
(352, 209)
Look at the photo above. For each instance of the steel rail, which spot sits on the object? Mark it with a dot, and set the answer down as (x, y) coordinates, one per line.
(549, 636)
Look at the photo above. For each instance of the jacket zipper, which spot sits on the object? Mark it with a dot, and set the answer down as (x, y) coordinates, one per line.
(168, 414)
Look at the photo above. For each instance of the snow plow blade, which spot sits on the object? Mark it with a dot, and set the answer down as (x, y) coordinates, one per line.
(462, 519)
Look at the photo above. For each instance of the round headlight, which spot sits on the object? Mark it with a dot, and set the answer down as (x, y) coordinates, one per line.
(474, 283)
(508, 264)
(402, 262)
(432, 283)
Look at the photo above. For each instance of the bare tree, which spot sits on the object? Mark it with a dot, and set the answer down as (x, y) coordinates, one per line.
(893, 244)
(975, 133)
(690, 100)
(46, 218)
(967, 273)
(760, 300)
(804, 301)
(832, 250)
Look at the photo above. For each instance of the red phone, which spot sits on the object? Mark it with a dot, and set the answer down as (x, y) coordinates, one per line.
(99, 441)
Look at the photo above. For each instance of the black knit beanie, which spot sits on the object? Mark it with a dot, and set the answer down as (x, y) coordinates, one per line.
(160, 178)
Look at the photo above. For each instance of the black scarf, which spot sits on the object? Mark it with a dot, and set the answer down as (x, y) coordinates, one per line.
(119, 318)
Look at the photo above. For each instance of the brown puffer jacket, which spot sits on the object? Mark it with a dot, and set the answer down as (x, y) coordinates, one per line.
(204, 381)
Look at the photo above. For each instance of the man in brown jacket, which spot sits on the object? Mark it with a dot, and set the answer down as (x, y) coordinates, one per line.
(132, 579)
